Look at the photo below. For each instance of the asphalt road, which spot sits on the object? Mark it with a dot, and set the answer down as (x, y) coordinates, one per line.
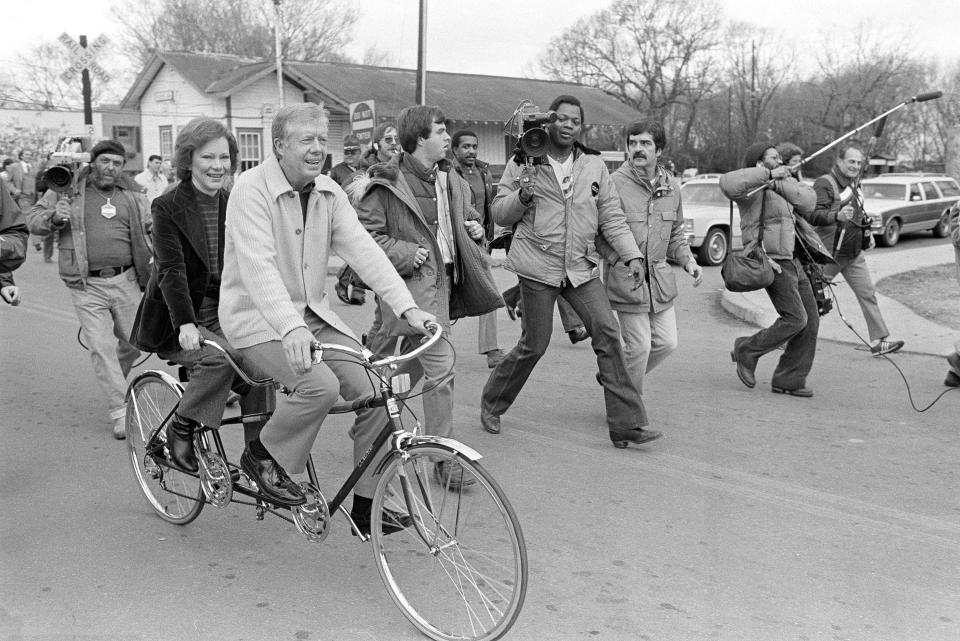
(756, 517)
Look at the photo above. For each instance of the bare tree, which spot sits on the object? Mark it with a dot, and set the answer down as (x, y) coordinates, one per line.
(309, 29)
(35, 79)
(654, 55)
(758, 67)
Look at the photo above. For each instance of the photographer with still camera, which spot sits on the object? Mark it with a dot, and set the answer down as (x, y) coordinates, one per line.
(844, 227)
(560, 196)
(100, 218)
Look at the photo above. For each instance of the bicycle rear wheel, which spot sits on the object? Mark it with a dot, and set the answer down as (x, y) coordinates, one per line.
(460, 571)
(151, 399)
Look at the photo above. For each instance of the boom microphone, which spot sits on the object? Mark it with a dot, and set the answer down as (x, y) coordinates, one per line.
(932, 95)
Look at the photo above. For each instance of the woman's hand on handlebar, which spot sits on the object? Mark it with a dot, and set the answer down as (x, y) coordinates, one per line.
(189, 337)
(417, 319)
(296, 347)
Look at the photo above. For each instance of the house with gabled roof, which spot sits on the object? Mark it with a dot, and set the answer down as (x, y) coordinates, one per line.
(174, 87)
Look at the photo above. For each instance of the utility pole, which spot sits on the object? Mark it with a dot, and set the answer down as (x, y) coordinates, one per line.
(422, 56)
(277, 52)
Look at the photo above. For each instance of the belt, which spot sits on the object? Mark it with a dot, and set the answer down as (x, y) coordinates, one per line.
(107, 272)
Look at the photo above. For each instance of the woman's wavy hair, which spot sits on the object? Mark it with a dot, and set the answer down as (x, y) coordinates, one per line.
(196, 134)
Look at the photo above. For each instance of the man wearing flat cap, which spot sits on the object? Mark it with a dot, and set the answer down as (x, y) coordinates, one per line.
(101, 223)
(345, 171)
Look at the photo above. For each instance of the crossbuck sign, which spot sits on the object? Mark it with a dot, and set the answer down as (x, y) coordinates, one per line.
(84, 57)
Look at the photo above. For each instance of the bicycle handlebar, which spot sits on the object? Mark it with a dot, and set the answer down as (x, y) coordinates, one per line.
(318, 348)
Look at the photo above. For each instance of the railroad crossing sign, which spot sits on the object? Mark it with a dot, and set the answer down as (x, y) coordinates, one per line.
(84, 57)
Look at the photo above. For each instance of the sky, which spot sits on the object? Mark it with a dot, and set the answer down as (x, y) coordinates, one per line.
(505, 37)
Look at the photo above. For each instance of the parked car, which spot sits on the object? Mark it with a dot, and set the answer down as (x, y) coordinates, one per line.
(902, 203)
(706, 219)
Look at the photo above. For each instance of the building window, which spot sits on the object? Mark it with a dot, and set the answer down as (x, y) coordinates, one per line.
(251, 151)
(129, 137)
(166, 142)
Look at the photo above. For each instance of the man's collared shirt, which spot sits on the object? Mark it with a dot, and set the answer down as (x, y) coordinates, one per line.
(155, 184)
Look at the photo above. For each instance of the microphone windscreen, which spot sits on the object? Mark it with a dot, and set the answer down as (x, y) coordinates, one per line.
(932, 95)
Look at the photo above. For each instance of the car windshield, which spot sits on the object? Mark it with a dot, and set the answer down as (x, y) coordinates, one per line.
(882, 192)
(703, 194)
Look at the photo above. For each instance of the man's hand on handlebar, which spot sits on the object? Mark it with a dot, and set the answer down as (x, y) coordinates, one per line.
(296, 347)
(417, 319)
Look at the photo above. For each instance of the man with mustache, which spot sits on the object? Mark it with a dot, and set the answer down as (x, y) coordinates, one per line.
(104, 262)
(465, 145)
(651, 201)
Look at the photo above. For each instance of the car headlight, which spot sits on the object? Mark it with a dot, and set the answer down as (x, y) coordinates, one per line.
(688, 226)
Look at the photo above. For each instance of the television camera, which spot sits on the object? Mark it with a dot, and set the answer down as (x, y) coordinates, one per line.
(529, 126)
(72, 153)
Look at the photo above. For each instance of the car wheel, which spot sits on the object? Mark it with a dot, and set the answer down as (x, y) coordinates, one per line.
(714, 247)
(942, 230)
(891, 234)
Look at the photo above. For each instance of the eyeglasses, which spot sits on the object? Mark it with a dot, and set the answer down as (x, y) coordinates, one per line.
(351, 150)
(390, 140)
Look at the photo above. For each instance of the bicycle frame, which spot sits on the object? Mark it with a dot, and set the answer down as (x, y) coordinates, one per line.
(387, 398)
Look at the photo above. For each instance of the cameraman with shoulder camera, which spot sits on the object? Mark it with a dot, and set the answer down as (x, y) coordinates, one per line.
(105, 260)
(844, 228)
(559, 206)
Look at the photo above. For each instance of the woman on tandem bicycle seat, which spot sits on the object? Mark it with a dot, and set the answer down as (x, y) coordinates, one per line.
(283, 221)
(180, 303)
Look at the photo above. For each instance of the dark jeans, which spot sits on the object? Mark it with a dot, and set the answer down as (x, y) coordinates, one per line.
(797, 326)
(625, 408)
(568, 317)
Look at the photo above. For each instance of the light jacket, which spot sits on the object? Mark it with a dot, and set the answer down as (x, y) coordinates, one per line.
(390, 212)
(779, 236)
(486, 218)
(72, 235)
(554, 241)
(656, 220)
(275, 266)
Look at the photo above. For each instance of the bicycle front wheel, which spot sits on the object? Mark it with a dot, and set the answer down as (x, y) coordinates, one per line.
(151, 400)
(459, 571)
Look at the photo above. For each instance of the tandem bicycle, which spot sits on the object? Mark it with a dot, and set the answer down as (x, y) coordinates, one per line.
(458, 571)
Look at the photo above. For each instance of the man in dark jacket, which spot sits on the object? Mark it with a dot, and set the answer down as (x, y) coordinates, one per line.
(465, 144)
(844, 228)
(13, 246)
(421, 216)
(345, 171)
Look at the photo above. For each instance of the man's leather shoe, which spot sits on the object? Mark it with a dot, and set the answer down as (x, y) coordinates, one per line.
(390, 521)
(180, 447)
(578, 334)
(744, 373)
(489, 421)
(622, 438)
(802, 392)
(272, 480)
(450, 475)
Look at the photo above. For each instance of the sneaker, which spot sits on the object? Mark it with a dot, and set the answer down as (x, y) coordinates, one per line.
(450, 475)
(883, 346)
(494, 356)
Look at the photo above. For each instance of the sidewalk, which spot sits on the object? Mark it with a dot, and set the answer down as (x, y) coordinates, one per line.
(920, 335)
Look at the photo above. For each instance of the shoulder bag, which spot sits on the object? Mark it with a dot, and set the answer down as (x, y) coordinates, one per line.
(749, 269)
